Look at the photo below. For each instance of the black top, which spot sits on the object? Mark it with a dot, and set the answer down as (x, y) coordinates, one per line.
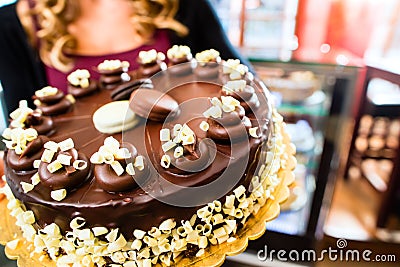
(22, 72)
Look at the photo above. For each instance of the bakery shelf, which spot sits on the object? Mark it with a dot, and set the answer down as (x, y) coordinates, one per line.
(378, 115)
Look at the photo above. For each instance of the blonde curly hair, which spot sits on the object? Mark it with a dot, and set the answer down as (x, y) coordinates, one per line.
(53, 17)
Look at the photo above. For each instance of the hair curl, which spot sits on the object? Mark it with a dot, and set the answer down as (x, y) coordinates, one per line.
(53, 17)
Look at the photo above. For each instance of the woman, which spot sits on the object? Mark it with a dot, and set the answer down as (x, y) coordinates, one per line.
(44, 40)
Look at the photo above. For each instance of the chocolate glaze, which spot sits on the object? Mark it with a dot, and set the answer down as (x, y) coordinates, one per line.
(136, 208)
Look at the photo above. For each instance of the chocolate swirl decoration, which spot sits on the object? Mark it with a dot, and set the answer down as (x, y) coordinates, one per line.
(196, 157)
(231, 127)
(53, 104)
(67, 177)
(32, 152)
(247, 97)
(42, 124)
(109, 181)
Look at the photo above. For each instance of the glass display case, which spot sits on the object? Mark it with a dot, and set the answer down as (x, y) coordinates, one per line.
(316, 101)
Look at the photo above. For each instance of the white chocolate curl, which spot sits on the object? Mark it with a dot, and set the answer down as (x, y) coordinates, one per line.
(18, 138)
(46, 91)
(79, 77)
(59, 194)
(113, 64)
(207, 55)
(151, 56)
(178, 51)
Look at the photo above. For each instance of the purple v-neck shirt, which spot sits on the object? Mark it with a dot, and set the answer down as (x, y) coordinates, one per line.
(58, 79)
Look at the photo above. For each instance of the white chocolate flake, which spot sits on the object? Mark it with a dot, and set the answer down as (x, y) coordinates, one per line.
(165, 135)
(27, 187)
(54, 166)
(36, 163)
(67, 144)
(168, 145)
(253, 132)
(59, 194)
(165, 161)
(139, 234)
(13, 244)
(204, 126)
(122, 153)
(139, 163)
(47, 156)
(64, 159)
(117, 167)
(80, 164)
(178, 152)
(129, 169)
(46, 91)
(35, 179)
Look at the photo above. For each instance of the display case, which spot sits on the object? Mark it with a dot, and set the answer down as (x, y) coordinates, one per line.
(318, 117)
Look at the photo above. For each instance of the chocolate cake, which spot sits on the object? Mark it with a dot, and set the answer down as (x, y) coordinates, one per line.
(185, 171)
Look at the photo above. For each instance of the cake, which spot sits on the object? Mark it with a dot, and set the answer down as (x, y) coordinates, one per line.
(203, 161)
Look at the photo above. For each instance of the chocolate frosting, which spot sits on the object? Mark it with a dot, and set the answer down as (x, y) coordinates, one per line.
(42, 124)
(50, 99)
(32, 152)
(63, 178)
(59, 107)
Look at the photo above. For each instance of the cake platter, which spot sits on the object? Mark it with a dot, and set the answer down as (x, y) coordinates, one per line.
(17, 248)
